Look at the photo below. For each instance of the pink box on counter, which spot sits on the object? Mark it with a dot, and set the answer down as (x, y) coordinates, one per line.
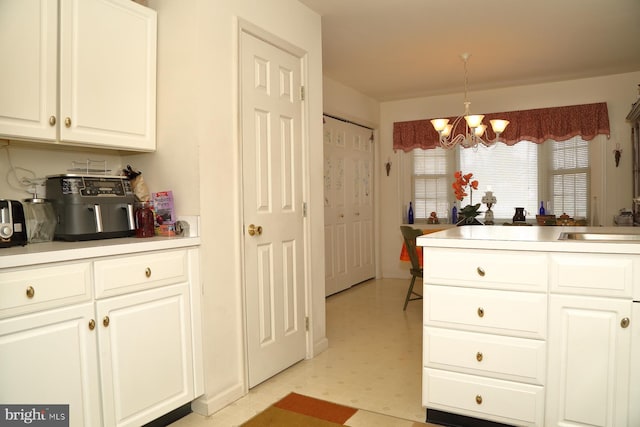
(165, 213)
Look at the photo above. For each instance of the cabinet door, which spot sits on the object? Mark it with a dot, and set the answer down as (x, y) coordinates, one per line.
(145, 354)
(28, 75)
(108, 73)
(51, 358)
(589, 362)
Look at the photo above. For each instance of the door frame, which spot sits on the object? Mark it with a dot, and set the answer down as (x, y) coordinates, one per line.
(244, 26)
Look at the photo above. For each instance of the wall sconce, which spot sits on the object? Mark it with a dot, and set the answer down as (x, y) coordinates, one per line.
(617, 153)
(388, 166)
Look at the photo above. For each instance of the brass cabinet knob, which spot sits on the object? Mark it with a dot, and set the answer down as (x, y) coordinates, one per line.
(92, 324)
(67, 122)
(147, 272)
(30, 292)
(625, 322)
(478, 399)
(480, 312)
(52, 120)
(480, 271)
(105, 321)
(253, 230)
(479, 356)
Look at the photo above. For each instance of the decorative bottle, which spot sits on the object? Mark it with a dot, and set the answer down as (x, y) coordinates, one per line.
(454, 214)
(541, 210)
(410, 214)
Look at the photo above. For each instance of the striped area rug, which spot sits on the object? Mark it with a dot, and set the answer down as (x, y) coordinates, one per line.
(304, 411)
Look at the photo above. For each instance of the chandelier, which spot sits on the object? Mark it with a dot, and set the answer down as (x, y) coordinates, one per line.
(474, 128)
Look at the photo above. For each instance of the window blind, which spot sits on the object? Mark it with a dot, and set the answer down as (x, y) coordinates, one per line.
(511, 172)
(430, 183)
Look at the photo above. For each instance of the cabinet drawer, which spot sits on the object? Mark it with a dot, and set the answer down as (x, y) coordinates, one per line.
(526, 271)
(119, 275)
(25, 290)
(486, 398)
(508, 358)
(593, 274)
(481, 310)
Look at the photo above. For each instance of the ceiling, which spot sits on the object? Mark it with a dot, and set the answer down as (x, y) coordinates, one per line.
(397, 49)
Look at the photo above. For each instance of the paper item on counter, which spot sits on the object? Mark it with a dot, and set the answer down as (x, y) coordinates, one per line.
(165, 213)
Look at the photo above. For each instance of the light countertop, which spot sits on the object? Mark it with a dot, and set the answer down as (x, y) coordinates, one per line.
(530, 238)
(39, 253)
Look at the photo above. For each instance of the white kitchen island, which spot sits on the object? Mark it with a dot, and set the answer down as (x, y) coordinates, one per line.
(522, 327)
(111, 328)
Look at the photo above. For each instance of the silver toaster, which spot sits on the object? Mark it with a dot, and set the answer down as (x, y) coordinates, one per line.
(91, 207)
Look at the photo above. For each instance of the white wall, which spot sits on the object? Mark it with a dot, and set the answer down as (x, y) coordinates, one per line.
(346, 103)
(198, 135)
(618, 91)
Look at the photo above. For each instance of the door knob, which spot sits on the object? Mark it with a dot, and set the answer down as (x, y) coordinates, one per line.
(253, 230)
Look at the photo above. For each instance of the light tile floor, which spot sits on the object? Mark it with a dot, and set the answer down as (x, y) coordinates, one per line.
(373, 361)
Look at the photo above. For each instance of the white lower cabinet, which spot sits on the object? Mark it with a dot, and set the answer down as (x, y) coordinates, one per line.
(485, 337)
(145, 354)
(124, 357)
(51, 357)
(547, 349)
(484, 397)
(589, 359)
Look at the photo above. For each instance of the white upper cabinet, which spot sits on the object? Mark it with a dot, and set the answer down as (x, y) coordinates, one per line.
(105, 78)
(29, 72)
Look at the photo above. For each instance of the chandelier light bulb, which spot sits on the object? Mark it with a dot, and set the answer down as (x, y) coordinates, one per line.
(479, 131)
(446, 132)
(498, 125)
(439, 124)
(474, 121)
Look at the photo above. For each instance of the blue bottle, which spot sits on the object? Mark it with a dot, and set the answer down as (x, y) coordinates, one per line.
(410, 214)
(454, 214)
(541, 211)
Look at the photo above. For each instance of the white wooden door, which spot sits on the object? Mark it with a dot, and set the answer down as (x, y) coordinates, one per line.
(29, 72)
(273, 207)
(588, 368)
(348, 198)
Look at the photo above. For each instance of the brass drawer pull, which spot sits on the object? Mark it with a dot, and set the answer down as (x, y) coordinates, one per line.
(92, 324)
(30, 292)
(480, 312)
(105, 321)
(479, 356)
(67, 122)
(624, 323)
(147, 272)
(52, 120)
(479, 399)
(480, 271)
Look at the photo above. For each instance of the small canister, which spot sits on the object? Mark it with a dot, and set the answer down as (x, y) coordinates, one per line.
(40, 219)
(145, 224)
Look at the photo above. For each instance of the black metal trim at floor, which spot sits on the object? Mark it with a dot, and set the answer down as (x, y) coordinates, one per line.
(171, 417)
(454, 420)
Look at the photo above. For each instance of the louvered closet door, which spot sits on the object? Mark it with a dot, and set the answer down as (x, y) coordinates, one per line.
(348, 198)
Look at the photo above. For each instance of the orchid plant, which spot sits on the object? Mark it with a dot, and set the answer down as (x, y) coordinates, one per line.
(460, 185)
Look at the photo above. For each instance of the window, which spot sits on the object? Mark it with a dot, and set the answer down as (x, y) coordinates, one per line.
(431, 183)
(569, 177)
(521, 175)
(511, 172)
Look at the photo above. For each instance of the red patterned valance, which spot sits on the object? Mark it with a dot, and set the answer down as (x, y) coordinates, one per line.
(539, 125)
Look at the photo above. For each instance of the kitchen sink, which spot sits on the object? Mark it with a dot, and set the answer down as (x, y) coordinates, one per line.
(590, 236)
